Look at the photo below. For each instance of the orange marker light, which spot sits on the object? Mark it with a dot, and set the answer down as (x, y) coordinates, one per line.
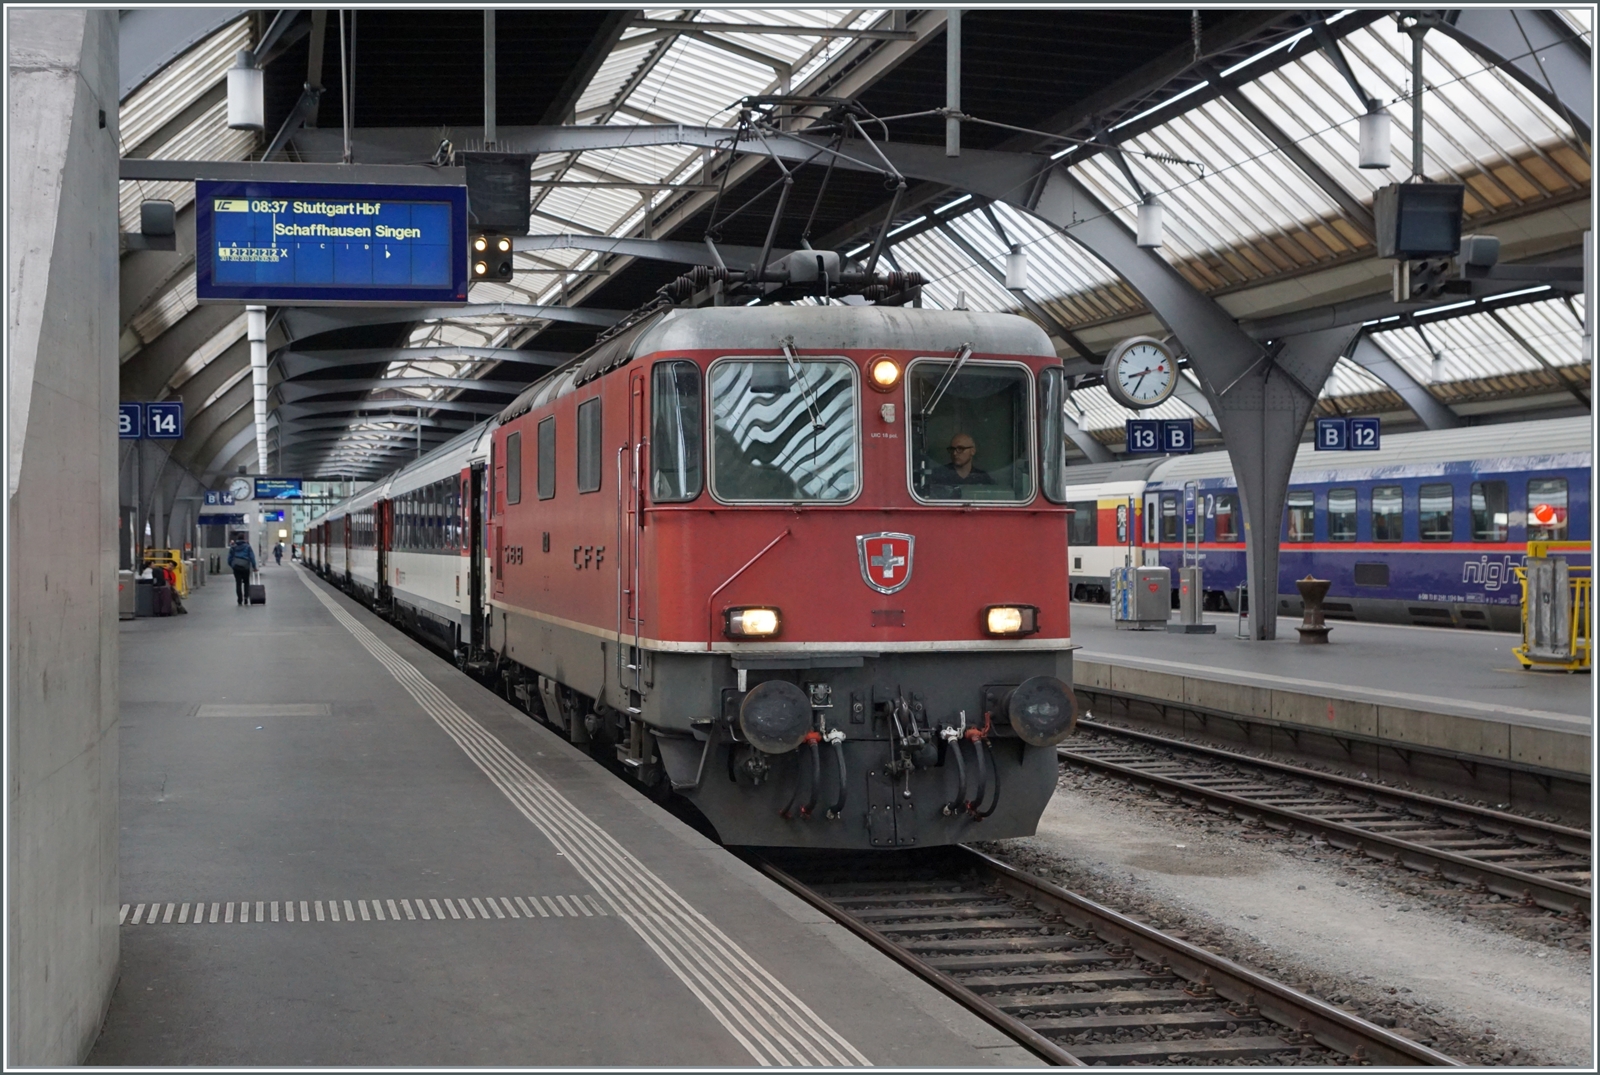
(883, 373)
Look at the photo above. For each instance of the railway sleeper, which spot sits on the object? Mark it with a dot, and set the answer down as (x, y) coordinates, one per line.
(1149, 1052)
(1200, 1019)
(1022, 1004)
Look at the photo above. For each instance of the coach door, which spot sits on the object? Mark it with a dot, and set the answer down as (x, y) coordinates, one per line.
(630, 529)
(472, 506)
(1152, 530)
(382, 531)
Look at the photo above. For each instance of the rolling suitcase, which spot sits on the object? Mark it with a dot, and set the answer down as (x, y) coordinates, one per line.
(256, 592)
(161, 600)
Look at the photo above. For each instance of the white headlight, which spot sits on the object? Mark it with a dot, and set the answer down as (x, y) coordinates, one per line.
(754, 622)
(1005, 620)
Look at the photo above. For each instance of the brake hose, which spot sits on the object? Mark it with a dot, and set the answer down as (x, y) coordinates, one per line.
(836, 737)
(979, 737)
(980, 815)
(816, 775)
(953, 737)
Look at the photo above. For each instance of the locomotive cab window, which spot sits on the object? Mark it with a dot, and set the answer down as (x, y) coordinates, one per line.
(970, 426)
(589, 452)
(514, 468)
(675, 443)
(1053, 435)
(1491, 511)
(1547, 509)
(784, 430)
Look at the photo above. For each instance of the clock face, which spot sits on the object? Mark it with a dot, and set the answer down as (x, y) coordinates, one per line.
(1141, 372)
(242, 489)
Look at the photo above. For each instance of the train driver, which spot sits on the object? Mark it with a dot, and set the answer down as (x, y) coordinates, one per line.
(960, 470)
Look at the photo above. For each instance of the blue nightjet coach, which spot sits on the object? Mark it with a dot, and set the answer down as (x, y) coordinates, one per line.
(1425, 530)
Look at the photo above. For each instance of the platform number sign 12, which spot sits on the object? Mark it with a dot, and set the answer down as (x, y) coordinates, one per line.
(130, 421)
(1348, 435)
(164, 421)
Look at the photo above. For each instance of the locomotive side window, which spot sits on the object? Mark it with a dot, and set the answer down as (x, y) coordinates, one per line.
(1341, 514)
(1227, 517)
(969, 426)
(784, 430)
(1491, 511)
(1302, 510)
(1388, 513)
(1083, 530)
(1435, 509)
(675, 445)
(1053, 438)
(589, 445)
(547, 458)
(1547, 509)
(514, 466)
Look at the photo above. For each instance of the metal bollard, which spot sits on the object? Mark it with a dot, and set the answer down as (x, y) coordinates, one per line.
(1312, 630)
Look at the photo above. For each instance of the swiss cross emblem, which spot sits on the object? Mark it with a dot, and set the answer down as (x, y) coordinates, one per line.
(885, 560)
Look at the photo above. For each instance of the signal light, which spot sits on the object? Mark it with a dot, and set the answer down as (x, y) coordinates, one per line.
(748, 622)
(883, 373)
(493, 257)
(1010, 621)
(1421, 280)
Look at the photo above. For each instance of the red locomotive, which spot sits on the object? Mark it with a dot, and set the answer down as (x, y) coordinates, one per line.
(803, 565)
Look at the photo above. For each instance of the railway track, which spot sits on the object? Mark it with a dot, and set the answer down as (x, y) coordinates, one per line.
(1534, 863)
(1074, 982)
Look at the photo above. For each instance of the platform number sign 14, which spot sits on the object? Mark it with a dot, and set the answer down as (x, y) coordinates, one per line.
(164, 421)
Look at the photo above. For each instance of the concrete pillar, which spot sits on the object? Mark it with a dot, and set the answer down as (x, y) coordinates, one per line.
(61, 703)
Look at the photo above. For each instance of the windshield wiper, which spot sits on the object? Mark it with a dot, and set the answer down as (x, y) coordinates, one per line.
(963, 353)
(805, 386)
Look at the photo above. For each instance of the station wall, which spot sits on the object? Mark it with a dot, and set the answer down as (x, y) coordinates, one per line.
(61, 512)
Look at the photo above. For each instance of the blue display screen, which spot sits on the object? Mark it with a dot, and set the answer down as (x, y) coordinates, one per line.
(310, 243)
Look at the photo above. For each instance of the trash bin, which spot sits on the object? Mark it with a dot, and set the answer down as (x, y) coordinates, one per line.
(144, 597)
(125, 595)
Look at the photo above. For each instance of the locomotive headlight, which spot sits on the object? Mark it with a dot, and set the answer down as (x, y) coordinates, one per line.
(751, 622)
(1010, 621)
(883, 373)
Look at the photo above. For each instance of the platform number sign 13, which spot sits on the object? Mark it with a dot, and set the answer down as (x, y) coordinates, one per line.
(1144, 436)
(164, 421)
(130, 421)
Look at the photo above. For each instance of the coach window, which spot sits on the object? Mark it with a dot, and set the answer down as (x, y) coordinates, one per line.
(784, 429)
(1491, 511)
(589, 445)
(1227, 518)
(514, 469)
(1547, 509)
(547, 458)
(1083, 530)
(1341, 514)
(1053, 434)
(1388, 513)
(675, 444)
(1435, 509)
(970, 425)
(1169, 517)
(1302, 511)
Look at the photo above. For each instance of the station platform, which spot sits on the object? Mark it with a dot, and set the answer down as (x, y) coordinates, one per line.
(338, 850)
(1458, 692)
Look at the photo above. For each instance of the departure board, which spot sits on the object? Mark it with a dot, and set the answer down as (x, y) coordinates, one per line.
(325, 244)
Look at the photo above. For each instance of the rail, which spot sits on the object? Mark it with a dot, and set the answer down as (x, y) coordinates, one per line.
(1529, 861)
(1071, 980)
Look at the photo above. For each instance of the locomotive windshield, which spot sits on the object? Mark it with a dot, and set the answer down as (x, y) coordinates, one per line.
(970, 431)
(784, 430)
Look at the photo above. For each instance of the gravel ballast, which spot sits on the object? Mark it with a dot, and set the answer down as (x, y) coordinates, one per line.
(1455, 970)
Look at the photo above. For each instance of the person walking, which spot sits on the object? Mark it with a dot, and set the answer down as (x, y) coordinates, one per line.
(242, 558)
(277, 553)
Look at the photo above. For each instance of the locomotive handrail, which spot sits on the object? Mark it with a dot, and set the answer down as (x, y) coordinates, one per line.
(710, 630)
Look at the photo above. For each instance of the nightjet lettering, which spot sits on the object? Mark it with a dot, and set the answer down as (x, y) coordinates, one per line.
(1490, 574)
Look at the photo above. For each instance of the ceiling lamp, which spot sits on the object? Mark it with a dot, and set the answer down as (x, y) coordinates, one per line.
(1150, 224)
(1017, 269)
(1373, 131)
(246, 108)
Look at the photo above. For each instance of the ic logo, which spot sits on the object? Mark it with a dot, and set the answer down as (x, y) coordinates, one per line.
(885, 560)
